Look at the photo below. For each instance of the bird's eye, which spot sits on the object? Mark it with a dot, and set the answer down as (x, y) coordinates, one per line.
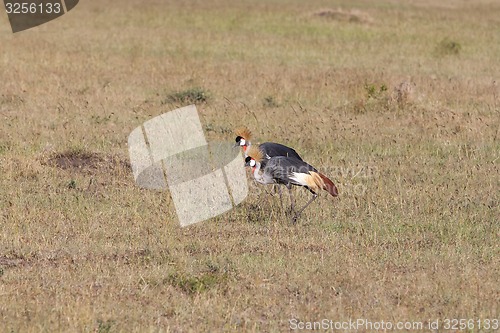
(252, 163)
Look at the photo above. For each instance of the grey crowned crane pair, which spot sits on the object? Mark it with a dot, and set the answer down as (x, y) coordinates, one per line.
(274, 163)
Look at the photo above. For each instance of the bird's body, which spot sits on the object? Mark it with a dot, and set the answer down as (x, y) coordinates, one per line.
(289, 171)
(269, 149)
(272, 149)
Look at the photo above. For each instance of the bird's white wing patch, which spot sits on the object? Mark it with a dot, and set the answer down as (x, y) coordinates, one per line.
(300, 178)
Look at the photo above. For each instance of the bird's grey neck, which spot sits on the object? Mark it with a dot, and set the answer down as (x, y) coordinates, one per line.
(263, 177)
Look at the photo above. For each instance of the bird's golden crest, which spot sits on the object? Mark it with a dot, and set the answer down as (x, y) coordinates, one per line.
(244, 133)
(255, 153)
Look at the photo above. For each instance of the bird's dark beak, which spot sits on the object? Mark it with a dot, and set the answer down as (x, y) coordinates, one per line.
(236, 145)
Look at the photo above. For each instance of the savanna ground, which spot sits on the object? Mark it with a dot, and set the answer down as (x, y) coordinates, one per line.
(397, 101)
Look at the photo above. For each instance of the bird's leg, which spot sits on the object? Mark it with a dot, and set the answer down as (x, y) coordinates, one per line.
(294, 219)
(281, 196)
(292, 201)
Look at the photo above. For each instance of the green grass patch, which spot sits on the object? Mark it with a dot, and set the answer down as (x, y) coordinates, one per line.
(197, 284)
(190, 96)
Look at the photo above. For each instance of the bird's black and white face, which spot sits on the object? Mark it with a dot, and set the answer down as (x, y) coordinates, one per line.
(250, 162)
(240, 141)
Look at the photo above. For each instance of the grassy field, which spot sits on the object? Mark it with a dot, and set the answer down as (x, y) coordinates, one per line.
(397, 101)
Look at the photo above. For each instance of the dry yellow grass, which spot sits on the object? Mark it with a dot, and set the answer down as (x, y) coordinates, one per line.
(402, 112)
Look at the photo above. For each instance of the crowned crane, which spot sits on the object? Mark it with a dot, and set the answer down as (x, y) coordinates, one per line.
(269, 149)
(289, 171)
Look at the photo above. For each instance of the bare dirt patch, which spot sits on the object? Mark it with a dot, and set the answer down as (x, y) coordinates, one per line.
(86, 161)
(75, 160)
(339, 14)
